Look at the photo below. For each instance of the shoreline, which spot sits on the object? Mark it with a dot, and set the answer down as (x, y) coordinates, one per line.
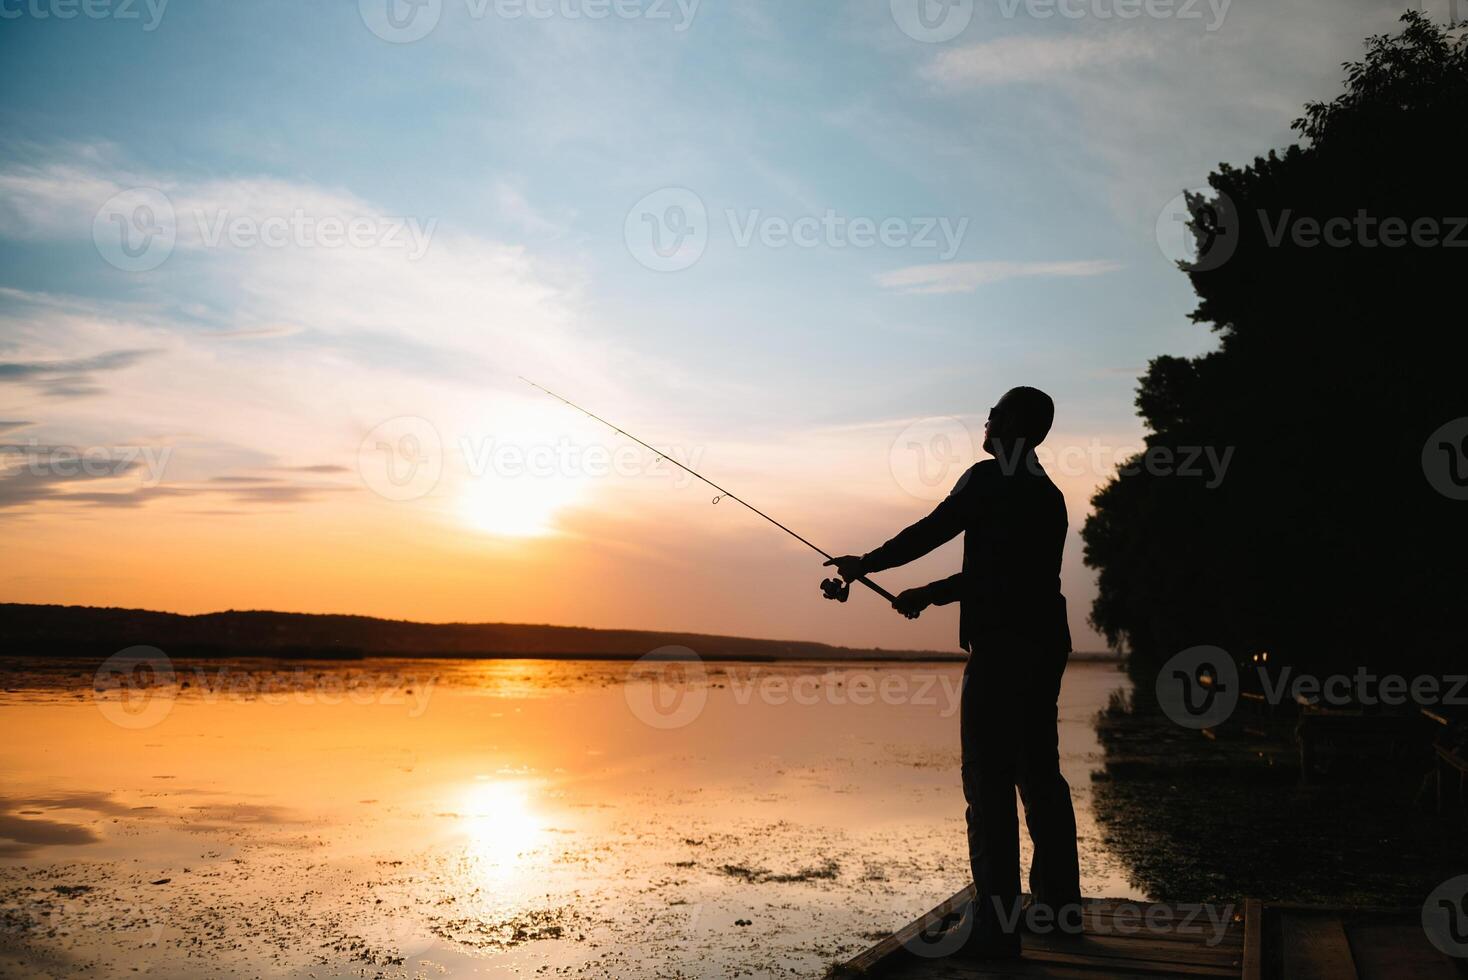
(36, 662)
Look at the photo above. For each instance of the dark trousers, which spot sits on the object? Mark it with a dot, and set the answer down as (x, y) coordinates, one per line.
(1008, 720)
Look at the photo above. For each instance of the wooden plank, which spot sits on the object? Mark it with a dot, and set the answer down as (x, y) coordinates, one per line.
(869, 960)
(1018, 970)
(1136, 948)
(1117, 942)
(1190, 925)
(1253, 945)
(1315, 947)
(1104, 965)
(1397, 949)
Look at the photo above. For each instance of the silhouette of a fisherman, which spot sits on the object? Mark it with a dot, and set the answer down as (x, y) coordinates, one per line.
(1012, 621)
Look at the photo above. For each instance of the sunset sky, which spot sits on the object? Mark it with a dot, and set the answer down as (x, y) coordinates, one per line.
(288, 351)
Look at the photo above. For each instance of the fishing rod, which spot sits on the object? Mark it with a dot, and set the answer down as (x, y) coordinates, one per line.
(833, 588)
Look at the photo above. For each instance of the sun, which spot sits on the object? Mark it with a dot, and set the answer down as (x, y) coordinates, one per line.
(517, 506)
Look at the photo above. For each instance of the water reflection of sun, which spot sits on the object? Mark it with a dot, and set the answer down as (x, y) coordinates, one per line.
(501, 823)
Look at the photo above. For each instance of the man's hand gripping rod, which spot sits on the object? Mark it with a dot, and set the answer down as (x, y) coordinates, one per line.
(833, 588)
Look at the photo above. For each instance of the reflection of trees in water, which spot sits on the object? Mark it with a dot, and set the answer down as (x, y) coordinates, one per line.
(1195, 819)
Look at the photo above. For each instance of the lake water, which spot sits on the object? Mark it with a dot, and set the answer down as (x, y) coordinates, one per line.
(488, 818)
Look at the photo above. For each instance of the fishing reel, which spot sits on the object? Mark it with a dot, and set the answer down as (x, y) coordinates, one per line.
(834, 588)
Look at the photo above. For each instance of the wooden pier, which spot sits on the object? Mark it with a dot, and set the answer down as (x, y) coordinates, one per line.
(1126, 940)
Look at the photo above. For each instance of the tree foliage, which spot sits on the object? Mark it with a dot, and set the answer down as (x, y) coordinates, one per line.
(1325, 543)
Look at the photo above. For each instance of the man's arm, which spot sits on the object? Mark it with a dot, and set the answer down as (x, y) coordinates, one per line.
(947, 590)
(944, 524)
(940, 593)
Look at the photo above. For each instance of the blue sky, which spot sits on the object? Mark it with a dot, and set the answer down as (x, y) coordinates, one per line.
(517, 146)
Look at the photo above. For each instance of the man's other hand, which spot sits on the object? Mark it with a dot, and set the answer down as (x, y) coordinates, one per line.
(848, 567)
(912, 602)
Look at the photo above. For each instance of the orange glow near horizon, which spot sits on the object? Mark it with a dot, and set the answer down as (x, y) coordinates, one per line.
(630, 550)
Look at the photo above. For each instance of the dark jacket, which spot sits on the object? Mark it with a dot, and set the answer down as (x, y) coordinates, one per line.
(1014, 528)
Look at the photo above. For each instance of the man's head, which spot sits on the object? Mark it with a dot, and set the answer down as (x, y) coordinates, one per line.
(1020, 420)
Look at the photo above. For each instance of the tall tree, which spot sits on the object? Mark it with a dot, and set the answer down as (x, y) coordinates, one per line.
(1334, 281)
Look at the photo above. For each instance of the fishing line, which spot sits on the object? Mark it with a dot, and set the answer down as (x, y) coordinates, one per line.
(837, 591)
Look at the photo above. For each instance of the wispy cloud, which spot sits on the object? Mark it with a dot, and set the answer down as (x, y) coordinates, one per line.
(72, 378)
(1034, 59)
(32, 482)
(965, 277)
